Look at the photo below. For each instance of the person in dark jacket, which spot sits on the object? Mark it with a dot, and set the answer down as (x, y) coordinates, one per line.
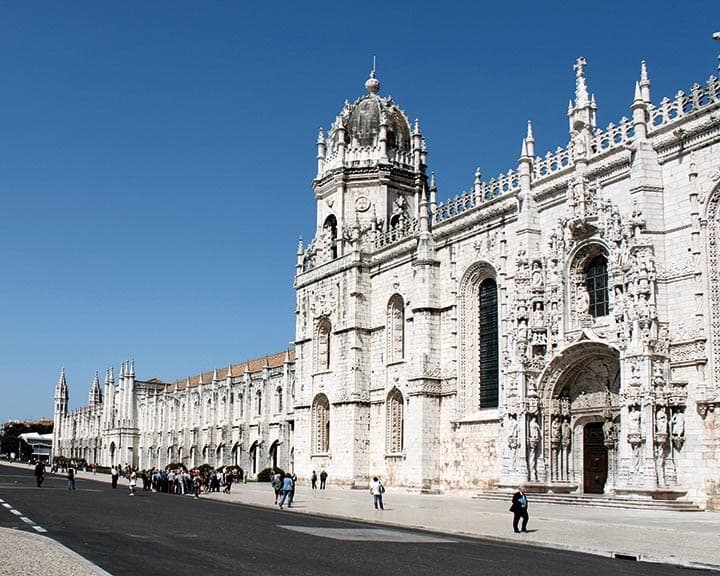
(40, 473)
(519, 509)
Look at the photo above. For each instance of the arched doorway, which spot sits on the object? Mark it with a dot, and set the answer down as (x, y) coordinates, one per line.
(253, 454)
(581, 407)
(112, 454)
(274, 454)
(236, 454)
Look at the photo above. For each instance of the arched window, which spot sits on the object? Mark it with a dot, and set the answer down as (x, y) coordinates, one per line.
(240, 405)
(323, 345)
(321, 424)
(394, 422)
(596, 282)
(279, 400)
(330, 228)
(395, 329)
(479, 375)
(488, 343)
(258, 403)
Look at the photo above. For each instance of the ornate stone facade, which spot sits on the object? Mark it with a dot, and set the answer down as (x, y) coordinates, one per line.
(239, 415)
(560, 322)
(558, 325)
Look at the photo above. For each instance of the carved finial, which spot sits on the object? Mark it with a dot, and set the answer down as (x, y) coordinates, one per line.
(433, 186)
(200, 380)
(570, 107)
(716, 36)
(530, 139)
(523, 149)
(416, 126)
(372, 84)
(321, 136)
(62, 381)
(581, 92)
(112, 376)
(215, 375)
(301, 247)
(644, 79)
(638, 94)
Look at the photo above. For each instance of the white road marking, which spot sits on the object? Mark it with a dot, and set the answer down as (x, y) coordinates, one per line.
(39, 529)
(1, 500)
(26, 520)
(16, 512)
(6, 505)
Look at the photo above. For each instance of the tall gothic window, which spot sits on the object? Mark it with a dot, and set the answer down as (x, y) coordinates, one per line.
(258, 403)
(321, 424)
(488, 343)
(596, 282)
(323, 345)
(394, 422)
(279, 392)
(395, 329)
(330, 228)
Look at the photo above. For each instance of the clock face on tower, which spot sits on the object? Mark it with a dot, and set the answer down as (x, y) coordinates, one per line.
(362, 203)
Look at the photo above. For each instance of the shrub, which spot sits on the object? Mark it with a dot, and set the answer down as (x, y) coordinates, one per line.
(266, 474)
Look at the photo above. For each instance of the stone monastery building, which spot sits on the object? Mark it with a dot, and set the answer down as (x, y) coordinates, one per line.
(558, 325)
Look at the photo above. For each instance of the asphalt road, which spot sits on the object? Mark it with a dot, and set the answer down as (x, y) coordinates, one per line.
(162, 534)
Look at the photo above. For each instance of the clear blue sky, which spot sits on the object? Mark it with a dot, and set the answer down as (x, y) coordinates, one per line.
(156, 158)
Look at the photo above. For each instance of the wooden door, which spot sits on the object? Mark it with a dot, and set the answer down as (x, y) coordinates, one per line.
(595, 459)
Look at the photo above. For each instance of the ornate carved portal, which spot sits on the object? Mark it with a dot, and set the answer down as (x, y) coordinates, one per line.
(580, 405)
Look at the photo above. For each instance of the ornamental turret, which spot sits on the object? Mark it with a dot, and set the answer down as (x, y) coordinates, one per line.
(95, 397)
(371, 175)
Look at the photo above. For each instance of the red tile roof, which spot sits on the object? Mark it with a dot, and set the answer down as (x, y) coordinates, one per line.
(256, 365)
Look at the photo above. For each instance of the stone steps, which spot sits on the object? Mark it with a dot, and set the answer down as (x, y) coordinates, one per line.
(598, 501)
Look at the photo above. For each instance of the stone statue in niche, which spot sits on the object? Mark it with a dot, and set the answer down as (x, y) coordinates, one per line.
(661, 422)
(582, 302)
(609, 432)
(536, 278)
(677, 429)
(513, 441)
(533, 443)
(634, 421)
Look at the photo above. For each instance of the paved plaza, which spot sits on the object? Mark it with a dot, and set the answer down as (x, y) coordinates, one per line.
(682, 538)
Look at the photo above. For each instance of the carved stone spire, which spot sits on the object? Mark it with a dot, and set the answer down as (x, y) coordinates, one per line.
(582, 98)
(530, 140)
(644, 82)
(95, 396)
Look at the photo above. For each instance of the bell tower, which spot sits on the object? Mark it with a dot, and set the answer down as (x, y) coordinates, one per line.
(371, 172)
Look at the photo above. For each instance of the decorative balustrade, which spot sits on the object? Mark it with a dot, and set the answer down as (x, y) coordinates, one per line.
(612, 137)
(683, 104)
(503, 184)
(407, 228)
(365, 155)
(552, 162)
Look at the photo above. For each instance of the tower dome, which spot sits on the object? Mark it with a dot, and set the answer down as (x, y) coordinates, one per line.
(361, 122)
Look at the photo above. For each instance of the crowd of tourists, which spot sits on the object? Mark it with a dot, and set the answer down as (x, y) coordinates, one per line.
(179, 480)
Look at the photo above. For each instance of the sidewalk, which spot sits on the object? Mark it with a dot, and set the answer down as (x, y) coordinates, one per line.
(682, 538)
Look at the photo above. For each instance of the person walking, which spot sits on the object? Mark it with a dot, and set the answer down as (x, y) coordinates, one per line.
(39, 473)
(133, 482)
(313, 480)
(293, 477)
(277, 485)
(71, 477)
(377, 489)
(197, 484)
(323, 479)
(114, 473)
(519, 509)
(287, 488)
